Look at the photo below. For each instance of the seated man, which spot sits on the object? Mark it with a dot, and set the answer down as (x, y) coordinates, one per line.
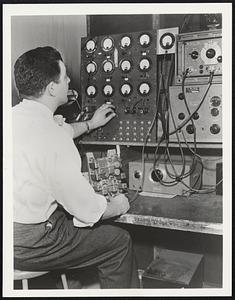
(49, 187)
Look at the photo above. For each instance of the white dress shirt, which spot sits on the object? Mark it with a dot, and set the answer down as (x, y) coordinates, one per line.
(47, 169)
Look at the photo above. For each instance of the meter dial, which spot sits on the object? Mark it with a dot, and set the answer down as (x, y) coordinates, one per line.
(107, 43)
(108, 66)
(91, 67)
(125, 42)
(91, 91)
(144, 64)
(90, 46)
(144, 88)
(167, 40)
(108, 90)
(144, 40)
(126, 89)
(125, 65)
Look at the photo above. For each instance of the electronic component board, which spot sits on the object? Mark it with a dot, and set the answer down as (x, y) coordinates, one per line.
(121, 69)
(106, 175)
(207, 120)
(200, 53)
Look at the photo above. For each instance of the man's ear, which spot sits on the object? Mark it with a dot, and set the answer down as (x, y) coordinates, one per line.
(51, 88)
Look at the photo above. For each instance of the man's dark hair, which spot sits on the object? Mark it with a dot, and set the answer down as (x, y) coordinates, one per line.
(36, 68)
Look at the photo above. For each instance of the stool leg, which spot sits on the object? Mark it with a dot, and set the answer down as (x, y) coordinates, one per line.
(25, 284)
(64, 281)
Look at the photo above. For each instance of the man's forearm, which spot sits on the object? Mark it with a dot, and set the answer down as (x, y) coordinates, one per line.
(80, 128)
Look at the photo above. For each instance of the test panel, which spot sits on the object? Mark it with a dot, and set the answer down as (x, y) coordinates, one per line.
(200, 53)
(120, 69)
(207, 120)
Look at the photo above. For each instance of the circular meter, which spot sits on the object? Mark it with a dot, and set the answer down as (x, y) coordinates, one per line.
(108, 90)
(144, 64)
(107, 44)
(125, 65)
(91, 91)
(91, 68)
(144, 88)
(167, 40)
(125, 42)
(90, 46)
(108, 66)
(126, 89)
(144, 40)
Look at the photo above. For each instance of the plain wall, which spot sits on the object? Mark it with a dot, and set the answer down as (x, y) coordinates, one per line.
(62, 32)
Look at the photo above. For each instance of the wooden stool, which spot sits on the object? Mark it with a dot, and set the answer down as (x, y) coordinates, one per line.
(25, 275)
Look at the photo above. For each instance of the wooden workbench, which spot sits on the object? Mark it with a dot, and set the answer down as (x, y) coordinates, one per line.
(200, 213)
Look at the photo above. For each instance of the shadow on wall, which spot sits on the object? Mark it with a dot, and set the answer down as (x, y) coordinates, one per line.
(62, 32)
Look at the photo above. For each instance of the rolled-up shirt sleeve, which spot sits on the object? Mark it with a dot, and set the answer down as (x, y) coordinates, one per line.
(72, 190)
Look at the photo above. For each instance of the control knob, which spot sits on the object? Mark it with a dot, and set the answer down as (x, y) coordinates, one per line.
(137, 174)
(157, 175)
(210, 53)
(194, 54)
(214, 112)
(215, 129)
(190, 129)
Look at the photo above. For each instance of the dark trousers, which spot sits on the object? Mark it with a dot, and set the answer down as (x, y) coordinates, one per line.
(57, 244)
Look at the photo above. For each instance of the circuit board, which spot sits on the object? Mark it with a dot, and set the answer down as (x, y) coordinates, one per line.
(106, 175)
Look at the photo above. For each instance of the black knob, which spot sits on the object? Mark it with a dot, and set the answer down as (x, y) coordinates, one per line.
(137, 174)
(219, 59)
(190, 129)
(210, 53)
(196, 116)
(214, 112)
(156, 175)
(181, 116)
(215, 129)
(181, 96)
(194, 54)
(215, 101)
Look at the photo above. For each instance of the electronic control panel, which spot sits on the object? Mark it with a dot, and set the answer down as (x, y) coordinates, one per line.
(151, 182)
(200, 53)
(120, 69)
(207, 120)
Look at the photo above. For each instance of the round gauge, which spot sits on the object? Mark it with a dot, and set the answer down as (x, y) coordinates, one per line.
(144, 40)
(125, 65)
(107, 44)
(144, 88)
(126, 89)
(91, 67)
(108, 66)
(144, 64)
(167, 40)
(91, 91)
(125, 42)
(90, 46)
(108, 90)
